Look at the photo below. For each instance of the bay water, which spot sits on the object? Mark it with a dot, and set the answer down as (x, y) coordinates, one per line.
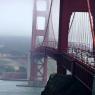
(11, 88)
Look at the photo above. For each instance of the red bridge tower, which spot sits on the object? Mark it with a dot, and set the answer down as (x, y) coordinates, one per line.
(38, 75)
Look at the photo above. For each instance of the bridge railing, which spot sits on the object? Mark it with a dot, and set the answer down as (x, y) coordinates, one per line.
(52, 44)
(82, 52)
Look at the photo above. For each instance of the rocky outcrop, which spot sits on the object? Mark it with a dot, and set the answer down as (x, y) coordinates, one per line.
(64, 85)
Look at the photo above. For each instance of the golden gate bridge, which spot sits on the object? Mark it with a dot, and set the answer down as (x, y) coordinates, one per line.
(75, 48)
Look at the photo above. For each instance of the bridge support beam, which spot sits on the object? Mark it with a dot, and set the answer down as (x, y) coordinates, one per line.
(38, 75)
(66, 9)
(93, 90)
(64, 20)
(63, 34)
(92, 6)
(60, 68)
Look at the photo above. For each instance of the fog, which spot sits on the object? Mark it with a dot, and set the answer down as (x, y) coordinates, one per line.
(16, 17)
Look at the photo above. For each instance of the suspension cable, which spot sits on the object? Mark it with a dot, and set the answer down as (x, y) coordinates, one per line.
(48, 21)
(90, 18)
(72, 22)
(70, 26)
(53, 29)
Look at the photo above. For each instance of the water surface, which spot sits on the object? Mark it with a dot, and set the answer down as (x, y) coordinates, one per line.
(10, 88)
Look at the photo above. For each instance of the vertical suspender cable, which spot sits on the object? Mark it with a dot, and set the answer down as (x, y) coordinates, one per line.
(84, 31)
(82, 34)
(71, 39)
(87, 36)
(78, 29)
(84, 42)
(79, 26)
(53, 30)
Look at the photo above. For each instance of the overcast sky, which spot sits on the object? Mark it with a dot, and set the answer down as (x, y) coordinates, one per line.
(16, 17)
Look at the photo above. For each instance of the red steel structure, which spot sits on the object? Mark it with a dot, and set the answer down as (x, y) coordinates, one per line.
(65, 61)
(39, 69)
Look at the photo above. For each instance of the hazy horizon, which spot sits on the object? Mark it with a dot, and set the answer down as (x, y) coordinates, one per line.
(16, 17)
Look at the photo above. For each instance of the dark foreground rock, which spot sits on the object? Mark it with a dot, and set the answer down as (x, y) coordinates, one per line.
(64, 85)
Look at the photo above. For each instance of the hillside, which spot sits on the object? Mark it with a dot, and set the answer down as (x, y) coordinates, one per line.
(14, 45)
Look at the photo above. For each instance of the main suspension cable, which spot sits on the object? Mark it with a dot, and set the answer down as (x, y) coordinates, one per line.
(72, 22)
(48, 22)
(91, 21)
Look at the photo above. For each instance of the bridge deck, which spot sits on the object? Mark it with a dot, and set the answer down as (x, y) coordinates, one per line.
(82, 72)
